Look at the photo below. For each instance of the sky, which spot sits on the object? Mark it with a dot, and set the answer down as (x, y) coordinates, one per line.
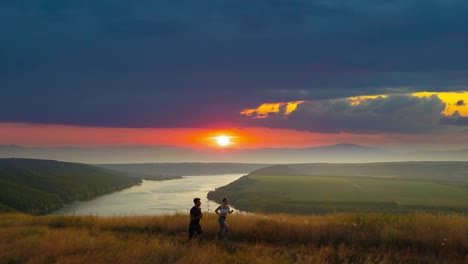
(265, 73)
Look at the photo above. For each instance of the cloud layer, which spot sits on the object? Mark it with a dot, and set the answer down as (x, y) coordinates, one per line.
(183, 63)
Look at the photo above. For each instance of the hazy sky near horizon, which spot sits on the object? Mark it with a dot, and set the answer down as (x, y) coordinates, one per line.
(297, 72)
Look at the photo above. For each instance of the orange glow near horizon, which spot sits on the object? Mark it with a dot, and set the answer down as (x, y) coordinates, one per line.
(26, 134)
(211, 138)
(263, 110)
(38, 135)
(454, 101)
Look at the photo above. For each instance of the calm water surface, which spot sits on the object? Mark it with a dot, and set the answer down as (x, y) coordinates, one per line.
(154, 197)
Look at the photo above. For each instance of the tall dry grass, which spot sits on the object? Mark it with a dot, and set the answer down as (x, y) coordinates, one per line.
(340, 238)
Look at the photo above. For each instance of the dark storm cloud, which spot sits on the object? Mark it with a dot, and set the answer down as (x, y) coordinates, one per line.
(193, 63)
(455, 119)
(394, 114)
(459, 121)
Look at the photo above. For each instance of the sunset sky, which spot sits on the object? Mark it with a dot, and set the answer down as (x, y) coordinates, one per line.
(266, 73)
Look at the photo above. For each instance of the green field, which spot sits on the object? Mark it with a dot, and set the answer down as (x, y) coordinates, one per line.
(350, 189)
(287, 191)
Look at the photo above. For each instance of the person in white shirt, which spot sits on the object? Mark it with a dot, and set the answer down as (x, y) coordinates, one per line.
(223, 210)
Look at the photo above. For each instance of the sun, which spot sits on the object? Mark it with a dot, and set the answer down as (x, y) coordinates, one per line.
(223, 141)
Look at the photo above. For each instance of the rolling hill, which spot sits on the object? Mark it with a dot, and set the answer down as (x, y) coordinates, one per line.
(41, 186)
(369, 187)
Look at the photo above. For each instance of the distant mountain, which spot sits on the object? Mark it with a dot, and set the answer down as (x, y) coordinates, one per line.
(93, 155)
(446, 172)
(41, 186)
(346, 147)
(340, 153)
(335, 154)
(182, 169)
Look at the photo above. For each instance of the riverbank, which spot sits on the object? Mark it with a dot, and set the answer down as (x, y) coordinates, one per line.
(154, 197)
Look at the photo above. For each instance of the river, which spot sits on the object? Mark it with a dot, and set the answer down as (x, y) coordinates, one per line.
(154, 197)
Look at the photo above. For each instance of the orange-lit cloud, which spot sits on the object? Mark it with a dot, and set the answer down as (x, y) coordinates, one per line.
(262, 111)
(356, 100)
(454, 101)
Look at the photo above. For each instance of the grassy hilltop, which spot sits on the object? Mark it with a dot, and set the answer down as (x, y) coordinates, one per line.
(340, 238)
(302, 236)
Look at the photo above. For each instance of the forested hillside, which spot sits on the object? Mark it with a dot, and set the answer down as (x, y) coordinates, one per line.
(41, 186)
